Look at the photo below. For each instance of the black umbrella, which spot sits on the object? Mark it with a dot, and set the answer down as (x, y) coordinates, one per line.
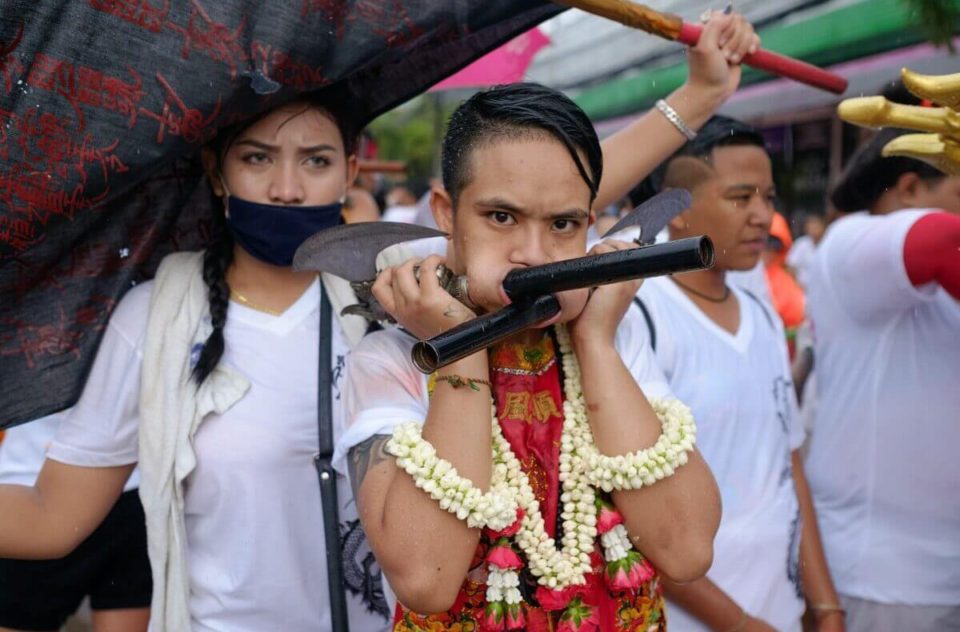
(103, 105)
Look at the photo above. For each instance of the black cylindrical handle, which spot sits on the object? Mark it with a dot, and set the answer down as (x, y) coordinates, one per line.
(480, 333)
(693, 253)
(533, 289)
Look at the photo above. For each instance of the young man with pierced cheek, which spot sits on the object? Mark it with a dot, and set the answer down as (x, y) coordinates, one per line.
(518, 516)
(503, 221)
(723, 352)
(526, 522)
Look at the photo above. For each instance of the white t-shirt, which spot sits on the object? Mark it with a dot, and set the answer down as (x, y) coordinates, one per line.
(403, 214)
(384, 388)
(741, 394)
(800, 258)
(255, 539)
(883, 463)
(24, 449)
(753, 280)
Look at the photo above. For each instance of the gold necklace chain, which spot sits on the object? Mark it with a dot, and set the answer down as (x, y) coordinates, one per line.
(240, 298)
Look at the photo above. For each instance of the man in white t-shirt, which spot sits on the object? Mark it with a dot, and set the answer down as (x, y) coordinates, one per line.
(883, 466)
(800, 257)
(401, 205)
(722, 349)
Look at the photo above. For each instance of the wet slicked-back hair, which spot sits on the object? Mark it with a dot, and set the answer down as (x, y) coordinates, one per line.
(719, 131)
(512, 111)
(869, 174)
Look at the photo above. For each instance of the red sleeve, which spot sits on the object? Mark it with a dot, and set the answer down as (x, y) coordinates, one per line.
(931, 252)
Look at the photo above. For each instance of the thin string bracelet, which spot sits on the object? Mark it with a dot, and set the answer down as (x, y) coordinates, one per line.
(457, 381)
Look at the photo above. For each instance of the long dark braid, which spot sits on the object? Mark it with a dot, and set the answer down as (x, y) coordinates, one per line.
(216, 261)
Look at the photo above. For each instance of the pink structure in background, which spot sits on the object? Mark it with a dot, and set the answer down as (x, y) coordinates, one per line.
(506, 64)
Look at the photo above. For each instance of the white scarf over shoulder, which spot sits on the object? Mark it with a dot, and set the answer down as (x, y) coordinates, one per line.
(172, 408)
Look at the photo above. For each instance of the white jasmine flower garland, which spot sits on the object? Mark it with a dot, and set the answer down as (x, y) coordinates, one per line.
(646, 467)
(582, 468)
(497, 509)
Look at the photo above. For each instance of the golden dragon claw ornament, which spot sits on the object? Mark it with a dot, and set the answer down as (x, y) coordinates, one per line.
(940, 146)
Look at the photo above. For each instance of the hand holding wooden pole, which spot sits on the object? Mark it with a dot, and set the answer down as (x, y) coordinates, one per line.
(672, 27)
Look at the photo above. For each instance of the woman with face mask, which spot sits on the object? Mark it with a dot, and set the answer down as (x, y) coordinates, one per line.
(207, 378)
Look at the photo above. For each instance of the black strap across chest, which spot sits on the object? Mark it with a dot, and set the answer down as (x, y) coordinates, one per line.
(326, 473)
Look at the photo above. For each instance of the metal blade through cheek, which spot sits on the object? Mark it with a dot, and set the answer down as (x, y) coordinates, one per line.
(653, 215)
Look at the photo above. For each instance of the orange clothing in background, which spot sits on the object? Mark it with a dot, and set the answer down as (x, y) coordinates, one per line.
(787, 295)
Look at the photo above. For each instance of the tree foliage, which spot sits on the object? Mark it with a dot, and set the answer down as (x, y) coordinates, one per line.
(412, 133)
(938, 19)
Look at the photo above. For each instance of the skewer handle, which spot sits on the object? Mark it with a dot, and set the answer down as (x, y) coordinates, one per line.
(671, 27)
(777, 64)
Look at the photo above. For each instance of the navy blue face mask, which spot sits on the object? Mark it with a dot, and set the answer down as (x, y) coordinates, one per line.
(271, 232)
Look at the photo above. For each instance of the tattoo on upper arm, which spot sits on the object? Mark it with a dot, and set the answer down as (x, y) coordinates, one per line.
(366, 456)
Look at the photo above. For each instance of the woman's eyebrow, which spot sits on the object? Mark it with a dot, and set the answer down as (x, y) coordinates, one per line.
(274, 148)
(257, 144)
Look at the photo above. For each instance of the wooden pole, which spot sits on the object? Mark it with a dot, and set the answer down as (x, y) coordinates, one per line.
(672, 27)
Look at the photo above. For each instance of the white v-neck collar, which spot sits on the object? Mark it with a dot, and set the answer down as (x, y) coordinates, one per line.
(740, 341)
(281, 324)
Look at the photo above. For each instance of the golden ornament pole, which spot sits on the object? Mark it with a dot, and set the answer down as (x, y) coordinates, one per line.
(940, 145)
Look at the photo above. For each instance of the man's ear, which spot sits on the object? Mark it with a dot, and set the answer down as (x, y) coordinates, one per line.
(909, 188)
(208, 158)
(680, 223)
(442, 207)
